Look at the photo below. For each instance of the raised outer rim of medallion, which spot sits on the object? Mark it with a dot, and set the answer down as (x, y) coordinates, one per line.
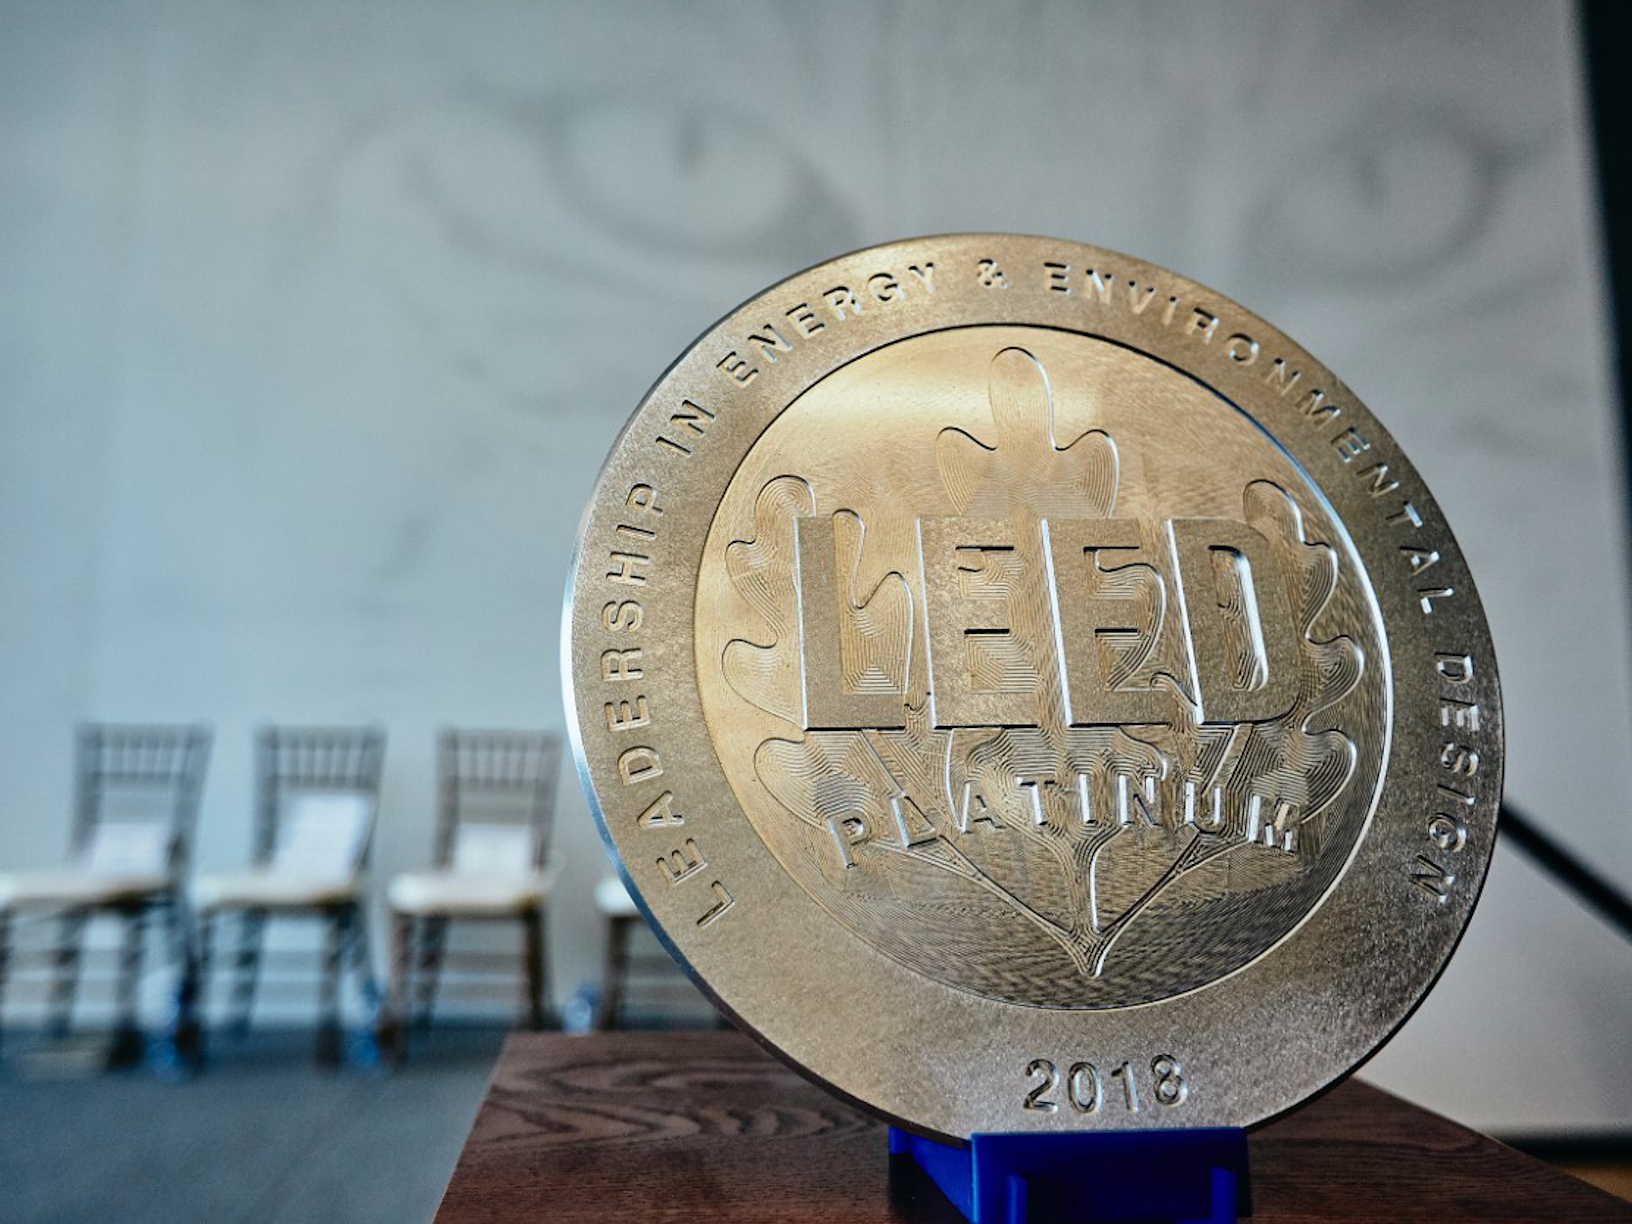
(1325, 1062)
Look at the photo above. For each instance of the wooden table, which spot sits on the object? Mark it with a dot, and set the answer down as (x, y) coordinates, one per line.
(680, 1127)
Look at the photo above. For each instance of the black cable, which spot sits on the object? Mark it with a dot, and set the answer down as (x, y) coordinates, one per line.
(1610, 903)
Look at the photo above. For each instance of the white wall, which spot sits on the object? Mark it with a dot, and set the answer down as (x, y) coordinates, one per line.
(317, 319)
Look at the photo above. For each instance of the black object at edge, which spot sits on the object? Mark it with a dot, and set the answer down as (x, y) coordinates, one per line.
(1603, 897)
(1604, 33)
(1605, 29)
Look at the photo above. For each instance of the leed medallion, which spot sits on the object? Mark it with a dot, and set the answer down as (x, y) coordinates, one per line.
(1029, 692)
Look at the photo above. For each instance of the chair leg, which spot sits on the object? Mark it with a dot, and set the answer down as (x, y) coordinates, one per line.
(128, 1047)
(433, 939)
(391, 1029)
(362, 964)
(403, 930)
(251, 934)
(544, 975)
(532, 923)
(186, 1035)
(337, 930)
(5, 963)
(177, 938)
(616, 971)
(207, 921)
(70, 938)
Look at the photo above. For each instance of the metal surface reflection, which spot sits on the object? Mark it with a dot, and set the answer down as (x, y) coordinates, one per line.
(1032, 693)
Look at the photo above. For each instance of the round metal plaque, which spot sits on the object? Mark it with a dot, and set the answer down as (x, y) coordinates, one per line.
(1030, 692)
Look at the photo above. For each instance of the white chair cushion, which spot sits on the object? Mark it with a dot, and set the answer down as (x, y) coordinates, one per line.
(323, 834)
(127, 848)
(268, 888)
(70, 886)
(613, 899)
(453, 892)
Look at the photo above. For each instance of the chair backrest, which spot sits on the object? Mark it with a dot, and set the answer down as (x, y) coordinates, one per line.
(136, 792)
(496, 800)
(317, 791)
(323, 833)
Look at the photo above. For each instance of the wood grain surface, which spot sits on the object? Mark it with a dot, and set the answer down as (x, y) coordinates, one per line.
(679, 1127)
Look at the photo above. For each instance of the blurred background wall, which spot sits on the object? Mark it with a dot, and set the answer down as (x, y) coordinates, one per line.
(316, 321)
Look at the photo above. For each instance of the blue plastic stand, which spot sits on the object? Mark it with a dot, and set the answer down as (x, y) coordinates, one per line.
(1188, 1177)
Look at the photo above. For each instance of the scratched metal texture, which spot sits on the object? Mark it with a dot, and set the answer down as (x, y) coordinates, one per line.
(1294, 631)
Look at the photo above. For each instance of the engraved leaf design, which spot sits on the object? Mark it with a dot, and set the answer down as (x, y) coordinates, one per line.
(763, 572)
(888, 781)
(1304, 760)
(825, 775)
(1293, 768)
(1079, 831)
(1022, 466)
(876, 630)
